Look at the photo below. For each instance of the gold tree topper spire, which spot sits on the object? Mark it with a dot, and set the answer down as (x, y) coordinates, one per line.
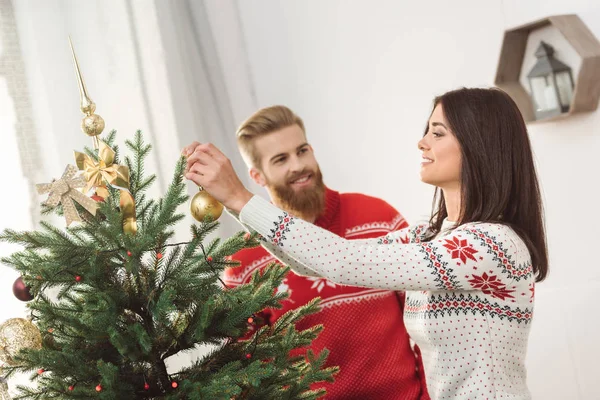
(92, 124)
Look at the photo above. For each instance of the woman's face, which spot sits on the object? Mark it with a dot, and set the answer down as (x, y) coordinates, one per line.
(441, 163)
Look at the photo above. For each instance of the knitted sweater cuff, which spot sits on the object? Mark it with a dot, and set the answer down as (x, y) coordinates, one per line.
(260, 215)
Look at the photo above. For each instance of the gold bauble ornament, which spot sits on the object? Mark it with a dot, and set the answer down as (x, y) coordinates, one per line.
(92, 125)
(17, 334)
(204, 205)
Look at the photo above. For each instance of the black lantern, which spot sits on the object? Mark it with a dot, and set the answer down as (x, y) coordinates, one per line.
(551, 84)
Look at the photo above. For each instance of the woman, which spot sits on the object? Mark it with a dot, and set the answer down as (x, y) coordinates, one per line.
(469, 273)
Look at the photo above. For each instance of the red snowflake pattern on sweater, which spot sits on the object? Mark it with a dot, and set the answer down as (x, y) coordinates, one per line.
(490, 284)
(460, 249)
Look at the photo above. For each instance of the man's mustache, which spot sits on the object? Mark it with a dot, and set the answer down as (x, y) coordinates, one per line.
(299, 174)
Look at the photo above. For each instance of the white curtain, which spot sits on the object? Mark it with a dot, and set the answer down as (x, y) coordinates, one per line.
(149, 65)
(19, 158)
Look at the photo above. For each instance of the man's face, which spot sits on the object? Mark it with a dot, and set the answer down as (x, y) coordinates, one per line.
(288, 169)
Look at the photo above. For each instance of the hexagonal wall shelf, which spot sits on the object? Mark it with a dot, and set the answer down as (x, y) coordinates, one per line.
(587, 84)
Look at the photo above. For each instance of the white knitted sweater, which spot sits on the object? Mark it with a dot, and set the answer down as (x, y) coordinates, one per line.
(470, 293)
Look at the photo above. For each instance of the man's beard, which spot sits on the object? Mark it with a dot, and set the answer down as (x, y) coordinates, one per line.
(307, 204)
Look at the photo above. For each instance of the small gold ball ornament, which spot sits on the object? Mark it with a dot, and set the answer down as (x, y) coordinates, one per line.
(17, 334)
(92, 125)
(204, 205)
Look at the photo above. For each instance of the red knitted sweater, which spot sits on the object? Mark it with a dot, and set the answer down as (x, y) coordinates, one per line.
(364, 328)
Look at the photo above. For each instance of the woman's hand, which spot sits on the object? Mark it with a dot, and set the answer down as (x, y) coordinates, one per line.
(208, 167)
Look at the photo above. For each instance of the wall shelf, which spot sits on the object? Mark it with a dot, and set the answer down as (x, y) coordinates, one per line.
(586, 93)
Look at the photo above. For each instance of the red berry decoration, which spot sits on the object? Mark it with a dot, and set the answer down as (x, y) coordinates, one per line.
(41, 371)
(250, 320)
(146, 386)
(98, 388)
(71, 388)
(209, 259)
(248, 356)
(128, 253)
(78, 278)
(174, 385)
(159, 255)
(21, 290)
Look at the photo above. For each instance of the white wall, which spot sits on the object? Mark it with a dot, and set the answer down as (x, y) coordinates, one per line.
(363, 74)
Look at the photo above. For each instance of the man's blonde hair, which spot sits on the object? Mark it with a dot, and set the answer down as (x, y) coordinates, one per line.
(264, 121)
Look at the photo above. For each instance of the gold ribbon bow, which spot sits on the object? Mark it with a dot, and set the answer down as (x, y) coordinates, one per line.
(65, 191)
(105, 170)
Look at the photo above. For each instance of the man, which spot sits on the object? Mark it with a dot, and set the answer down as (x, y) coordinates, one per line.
(364, 328)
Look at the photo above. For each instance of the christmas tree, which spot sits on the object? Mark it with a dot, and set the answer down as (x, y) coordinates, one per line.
(128, 301)
(127, 297)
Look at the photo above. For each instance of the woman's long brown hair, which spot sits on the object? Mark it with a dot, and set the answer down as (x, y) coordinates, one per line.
(499, 183)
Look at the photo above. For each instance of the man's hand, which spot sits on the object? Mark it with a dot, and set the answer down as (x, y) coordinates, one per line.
(208, 167)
